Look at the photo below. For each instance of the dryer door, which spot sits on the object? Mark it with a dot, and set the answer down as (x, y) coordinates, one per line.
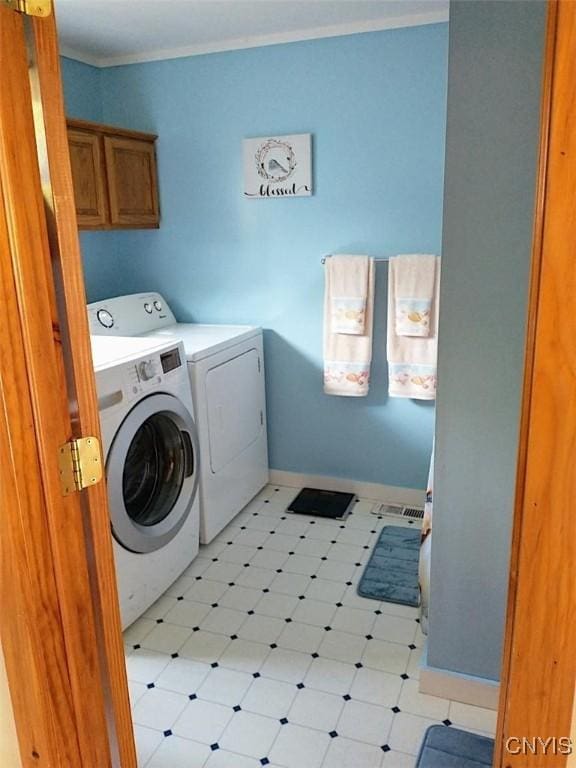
(234, 401)
(152, 473)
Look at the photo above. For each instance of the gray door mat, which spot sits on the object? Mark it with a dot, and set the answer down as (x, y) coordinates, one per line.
(391, 574)
(452, 748)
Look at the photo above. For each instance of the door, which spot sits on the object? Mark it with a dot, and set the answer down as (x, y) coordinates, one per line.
(152, 473)
(60, 628)
(131, 171)
(88, 178)
(234, 396)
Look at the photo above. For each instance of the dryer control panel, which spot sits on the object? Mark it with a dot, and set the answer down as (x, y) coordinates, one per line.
(129, 315)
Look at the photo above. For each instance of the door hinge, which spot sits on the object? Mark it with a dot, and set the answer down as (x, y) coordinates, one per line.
(30, 7)
(259, 366)
(80, 464)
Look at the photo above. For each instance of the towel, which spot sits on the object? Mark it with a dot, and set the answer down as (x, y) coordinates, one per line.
(349, 292)
(414, 286)
(412, 358)
(347, 356)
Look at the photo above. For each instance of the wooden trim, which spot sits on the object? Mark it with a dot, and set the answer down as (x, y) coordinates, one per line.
(69, 281)
(116, 227)
(110, 130)
(539, 666)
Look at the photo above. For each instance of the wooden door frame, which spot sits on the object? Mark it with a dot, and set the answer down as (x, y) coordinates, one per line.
(539, 660)
(60, 630)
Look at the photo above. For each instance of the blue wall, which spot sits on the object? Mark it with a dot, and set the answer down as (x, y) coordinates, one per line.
(496, 53)
(82, 90)
(375, 104)
(83, 95)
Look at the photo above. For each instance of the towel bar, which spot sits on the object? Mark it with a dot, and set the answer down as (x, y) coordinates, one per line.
(328, 256)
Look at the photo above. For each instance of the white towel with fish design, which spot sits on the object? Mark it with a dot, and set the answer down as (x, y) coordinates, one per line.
(413, 298)
(348, 293)
(348, 318)
(414, 284)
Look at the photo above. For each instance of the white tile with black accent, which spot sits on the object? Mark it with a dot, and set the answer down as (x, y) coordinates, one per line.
(263, 654)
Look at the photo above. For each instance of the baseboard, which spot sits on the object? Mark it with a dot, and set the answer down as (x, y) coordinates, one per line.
(391, 493)
(467, 689)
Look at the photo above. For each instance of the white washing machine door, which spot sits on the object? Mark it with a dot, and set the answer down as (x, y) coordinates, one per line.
(152, 473)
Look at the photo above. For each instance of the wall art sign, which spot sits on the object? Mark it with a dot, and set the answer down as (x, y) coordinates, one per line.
(278, 166)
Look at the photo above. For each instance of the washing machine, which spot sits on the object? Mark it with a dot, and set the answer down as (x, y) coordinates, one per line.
(151, 455)
(226, 369)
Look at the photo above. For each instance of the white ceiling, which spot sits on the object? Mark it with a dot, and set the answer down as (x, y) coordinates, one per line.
(109, 32)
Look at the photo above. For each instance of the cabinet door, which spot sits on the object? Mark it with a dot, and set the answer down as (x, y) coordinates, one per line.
(131, 170)
(88, 178)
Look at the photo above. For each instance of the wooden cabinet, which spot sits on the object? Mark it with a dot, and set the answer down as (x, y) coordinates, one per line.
(89, 182)
(131, 173)
(114, 174)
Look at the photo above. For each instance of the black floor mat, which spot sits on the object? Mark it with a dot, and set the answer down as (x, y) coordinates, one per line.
(313, 501)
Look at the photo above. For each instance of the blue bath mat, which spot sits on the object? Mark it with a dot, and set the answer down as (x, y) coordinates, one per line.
(452, 748)
(391, 574)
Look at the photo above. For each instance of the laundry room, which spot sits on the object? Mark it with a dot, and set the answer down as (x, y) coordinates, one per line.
(290, 224)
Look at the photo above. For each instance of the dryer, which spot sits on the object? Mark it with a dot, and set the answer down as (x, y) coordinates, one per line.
(151, 454)
(226, 368)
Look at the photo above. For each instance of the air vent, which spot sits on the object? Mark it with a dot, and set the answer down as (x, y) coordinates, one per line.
(414, 513)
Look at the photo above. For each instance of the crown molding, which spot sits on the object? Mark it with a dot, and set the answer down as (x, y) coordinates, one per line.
(258, 41)
(81, 56)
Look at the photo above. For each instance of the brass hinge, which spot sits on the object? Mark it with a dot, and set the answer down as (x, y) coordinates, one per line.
(80, 464)
(30, 7)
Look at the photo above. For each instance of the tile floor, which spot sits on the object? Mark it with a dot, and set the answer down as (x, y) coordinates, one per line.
(262, 653)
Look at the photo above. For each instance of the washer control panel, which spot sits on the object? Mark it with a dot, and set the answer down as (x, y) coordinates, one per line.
(149, 372)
